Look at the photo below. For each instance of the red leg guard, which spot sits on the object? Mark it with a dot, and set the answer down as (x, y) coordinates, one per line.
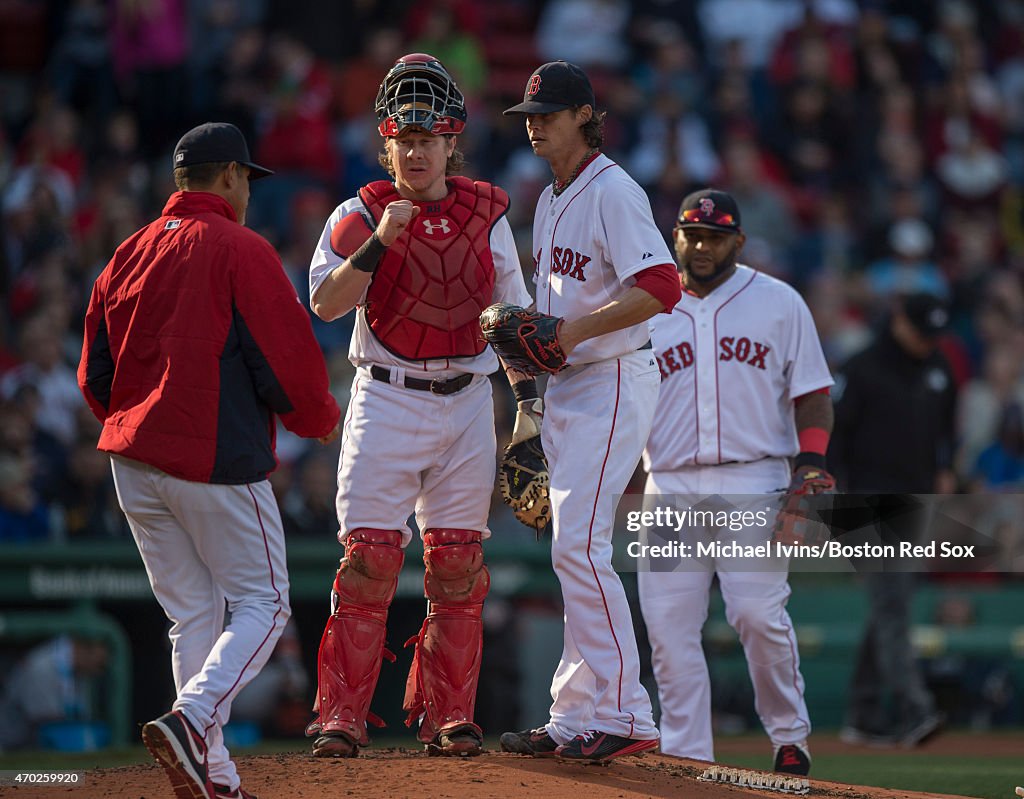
(353, 642)
(446, 666)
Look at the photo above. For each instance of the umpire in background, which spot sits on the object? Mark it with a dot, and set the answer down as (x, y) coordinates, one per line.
(894, 422)
(194, 341)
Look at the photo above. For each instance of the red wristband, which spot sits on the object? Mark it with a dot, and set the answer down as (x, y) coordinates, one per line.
(813, 439)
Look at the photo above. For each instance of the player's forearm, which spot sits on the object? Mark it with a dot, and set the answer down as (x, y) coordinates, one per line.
(814, 411)
(340, 292)
(633, 307)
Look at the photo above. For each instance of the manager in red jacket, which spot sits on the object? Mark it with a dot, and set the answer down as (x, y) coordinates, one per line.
(195, 341)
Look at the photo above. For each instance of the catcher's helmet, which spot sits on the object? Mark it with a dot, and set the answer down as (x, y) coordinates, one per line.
(419, 91)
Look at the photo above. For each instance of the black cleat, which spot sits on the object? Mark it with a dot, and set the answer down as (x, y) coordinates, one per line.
(459, 740)
(793, 759)
(536, 743)
(335, 744)
(600, 747)
(174, 744)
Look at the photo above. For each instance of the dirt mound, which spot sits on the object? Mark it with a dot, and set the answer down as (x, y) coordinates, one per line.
(407, 774)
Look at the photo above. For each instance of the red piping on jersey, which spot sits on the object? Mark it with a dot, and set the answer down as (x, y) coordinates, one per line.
(273, 621)
(718, 394)
(551, 246)
(590, 532)
(696, 382)
(791, 637)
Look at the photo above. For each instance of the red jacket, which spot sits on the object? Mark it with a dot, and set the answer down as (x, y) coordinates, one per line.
(194, 340)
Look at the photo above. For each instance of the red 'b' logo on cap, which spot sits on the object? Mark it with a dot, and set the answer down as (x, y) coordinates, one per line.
(707, 205)
(534, 85)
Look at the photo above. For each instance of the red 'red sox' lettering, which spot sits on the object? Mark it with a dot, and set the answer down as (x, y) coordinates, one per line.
(675, 358)
(565, 261)
(743, 350)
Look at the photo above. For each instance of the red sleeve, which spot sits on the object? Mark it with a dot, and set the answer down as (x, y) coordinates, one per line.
(284, 358)
(662, 283)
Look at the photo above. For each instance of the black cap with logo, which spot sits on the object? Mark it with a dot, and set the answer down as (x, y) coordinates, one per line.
(216, 142)
(553, 87)
(927, 313)
(709, 208)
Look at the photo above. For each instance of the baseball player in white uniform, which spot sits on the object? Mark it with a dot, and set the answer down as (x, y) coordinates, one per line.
(602, 265)
(419, 258)
(744, 410)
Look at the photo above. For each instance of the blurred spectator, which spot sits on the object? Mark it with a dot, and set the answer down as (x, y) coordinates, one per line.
(767, 218)
(458, 49)
(149, 48)
(308, 510)
(1000, 466)
(80, 64)
(51, 683)
(590, 33)
(909, 268)
(23, 516)
(983, 402)
(44, 369)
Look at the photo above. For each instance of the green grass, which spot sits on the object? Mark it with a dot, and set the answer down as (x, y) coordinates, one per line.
(984, 777)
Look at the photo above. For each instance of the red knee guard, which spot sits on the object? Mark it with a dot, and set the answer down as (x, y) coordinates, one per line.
(353, 642)
(446, 666)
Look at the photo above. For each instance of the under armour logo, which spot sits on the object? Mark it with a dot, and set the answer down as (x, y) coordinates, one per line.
(534, 86)
(431, 227)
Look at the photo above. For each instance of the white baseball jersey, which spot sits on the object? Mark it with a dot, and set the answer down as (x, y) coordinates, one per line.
(588, 242)
(365, 349)
(731, 365)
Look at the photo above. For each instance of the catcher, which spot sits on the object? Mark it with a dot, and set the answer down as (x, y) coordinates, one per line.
(419, 258)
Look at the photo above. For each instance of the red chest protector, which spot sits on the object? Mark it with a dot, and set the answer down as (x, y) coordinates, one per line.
(432, 283)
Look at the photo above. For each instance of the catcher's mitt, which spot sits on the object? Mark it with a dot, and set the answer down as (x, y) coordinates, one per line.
(525, 340)
(791, 524)
(523, 470)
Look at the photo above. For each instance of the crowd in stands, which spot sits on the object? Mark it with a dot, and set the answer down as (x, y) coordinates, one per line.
(874, 148)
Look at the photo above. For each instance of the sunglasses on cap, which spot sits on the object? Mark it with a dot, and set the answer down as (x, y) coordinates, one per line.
(696, 216)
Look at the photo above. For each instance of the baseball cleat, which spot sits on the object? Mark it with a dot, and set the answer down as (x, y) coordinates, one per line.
(174, 744)
(463, 740)
(858, 736)
(335, 744)
(594, 746)
(536, 743)
(922, 732)
(792, 759)
(224, 792)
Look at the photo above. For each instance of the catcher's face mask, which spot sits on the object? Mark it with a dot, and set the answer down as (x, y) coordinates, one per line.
(419, 91)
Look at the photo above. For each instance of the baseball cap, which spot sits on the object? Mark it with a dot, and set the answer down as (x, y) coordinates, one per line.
(709, 208)
(553, 87)
(216, 142)
(911, 238)
(927, 313)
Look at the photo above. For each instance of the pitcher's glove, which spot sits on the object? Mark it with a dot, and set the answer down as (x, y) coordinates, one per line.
(791, 524)
(523, 470)
(525, 340)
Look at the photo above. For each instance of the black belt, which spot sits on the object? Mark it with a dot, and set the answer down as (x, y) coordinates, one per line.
(444, 387)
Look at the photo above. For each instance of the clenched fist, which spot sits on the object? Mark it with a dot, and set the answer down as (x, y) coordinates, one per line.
(397, 217)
